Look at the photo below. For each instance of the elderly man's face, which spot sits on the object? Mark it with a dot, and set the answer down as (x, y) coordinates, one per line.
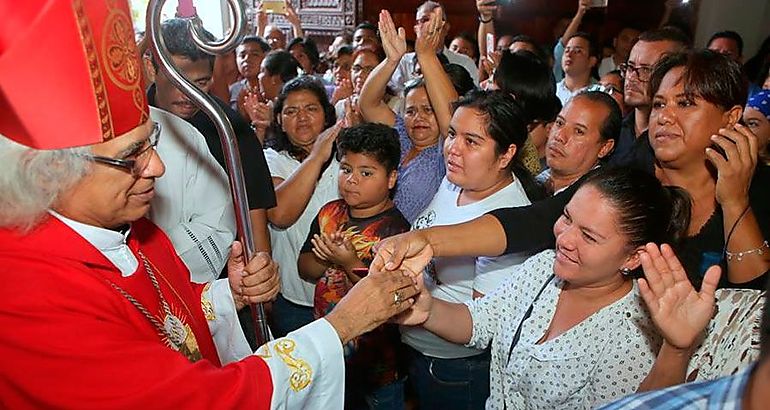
(109, 196)
(423, 17)
(275, 38)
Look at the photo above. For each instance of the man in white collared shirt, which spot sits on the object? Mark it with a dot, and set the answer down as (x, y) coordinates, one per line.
(192, 202)
(406, 71)
(578, 63)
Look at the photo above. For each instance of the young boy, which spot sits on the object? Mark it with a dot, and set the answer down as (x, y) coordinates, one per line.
(338, 251)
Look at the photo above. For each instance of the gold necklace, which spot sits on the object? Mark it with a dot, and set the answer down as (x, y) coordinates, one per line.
(175, 333)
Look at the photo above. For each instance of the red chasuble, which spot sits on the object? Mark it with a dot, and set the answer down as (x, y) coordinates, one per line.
(70, 339)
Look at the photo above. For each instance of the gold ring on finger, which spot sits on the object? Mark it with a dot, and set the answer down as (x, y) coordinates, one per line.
(396, 298)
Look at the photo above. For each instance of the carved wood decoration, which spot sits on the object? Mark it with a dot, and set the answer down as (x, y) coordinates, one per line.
(322, 20)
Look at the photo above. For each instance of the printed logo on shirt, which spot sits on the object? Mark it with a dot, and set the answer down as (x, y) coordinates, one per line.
(425, 221)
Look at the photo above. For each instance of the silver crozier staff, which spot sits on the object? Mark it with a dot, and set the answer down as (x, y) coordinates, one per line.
(224, 128)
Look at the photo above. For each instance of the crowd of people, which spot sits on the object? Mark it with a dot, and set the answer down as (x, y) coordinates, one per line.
(442, 223)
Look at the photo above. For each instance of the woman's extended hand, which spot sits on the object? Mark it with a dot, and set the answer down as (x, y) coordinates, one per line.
(419, 313)
(736, 168)
(393, 41)
(679, 311)
(409, 251)
(372, 301)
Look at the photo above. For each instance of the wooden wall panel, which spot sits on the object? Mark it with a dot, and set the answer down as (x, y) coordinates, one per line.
(536, 18)
(323, 19)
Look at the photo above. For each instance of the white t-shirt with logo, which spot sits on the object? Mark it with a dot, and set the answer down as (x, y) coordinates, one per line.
(453, 279)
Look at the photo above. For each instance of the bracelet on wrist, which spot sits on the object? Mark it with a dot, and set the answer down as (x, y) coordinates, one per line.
(738, 256)
(481, 19)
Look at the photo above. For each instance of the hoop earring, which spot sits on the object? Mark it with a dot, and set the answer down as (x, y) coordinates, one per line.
(625, 271)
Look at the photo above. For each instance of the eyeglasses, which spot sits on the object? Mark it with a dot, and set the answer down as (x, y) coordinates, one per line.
(140, 160)
(642, 72)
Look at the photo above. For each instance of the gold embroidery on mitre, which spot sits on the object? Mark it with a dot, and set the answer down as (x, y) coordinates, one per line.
(97, 83)
(119, 51)
(206, 305)
(121, 56)
(301, 372)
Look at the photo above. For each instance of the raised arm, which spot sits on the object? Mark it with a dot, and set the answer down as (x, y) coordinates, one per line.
(487, 10)
(680, 312)
(293, 193)
(668, 8)
(370, 102)
(412, 251)
(261, 23)
(574, 25)
(441, 92)
(293, 18)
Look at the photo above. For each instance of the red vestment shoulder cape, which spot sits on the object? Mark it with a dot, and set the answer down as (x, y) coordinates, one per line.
(68, 339)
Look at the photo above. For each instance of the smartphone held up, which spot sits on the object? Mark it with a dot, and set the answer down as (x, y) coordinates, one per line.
(274, 6)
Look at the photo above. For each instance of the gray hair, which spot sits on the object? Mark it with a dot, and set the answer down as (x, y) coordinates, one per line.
(431, 5)
(32, 180)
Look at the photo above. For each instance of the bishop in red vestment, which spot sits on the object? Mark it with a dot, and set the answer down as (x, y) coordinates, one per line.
(97, 309)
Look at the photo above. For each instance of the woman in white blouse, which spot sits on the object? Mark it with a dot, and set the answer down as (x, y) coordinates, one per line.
(300, 156)
(482, 153)
(569, 328)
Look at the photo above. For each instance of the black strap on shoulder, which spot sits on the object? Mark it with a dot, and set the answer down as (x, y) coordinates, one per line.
(528, 313)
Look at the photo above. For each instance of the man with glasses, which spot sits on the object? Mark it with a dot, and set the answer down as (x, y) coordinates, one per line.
(650, 48)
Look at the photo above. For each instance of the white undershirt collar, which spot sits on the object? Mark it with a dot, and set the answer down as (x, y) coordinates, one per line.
(112, 244)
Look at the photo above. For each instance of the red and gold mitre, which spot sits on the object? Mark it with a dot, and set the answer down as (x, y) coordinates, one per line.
(70, 72)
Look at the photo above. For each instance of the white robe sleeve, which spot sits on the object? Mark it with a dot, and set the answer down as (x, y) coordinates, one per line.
(219, 309)
(307, 368)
